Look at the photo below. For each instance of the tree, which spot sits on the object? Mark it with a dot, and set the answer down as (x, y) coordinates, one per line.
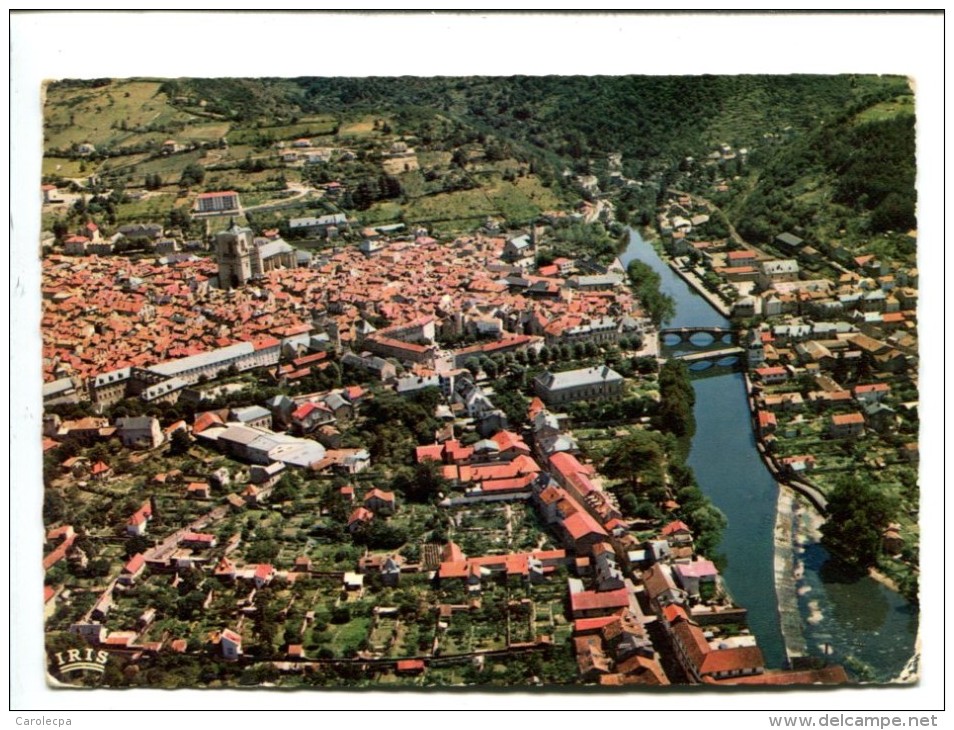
(136, 544)
(421, 484)
(472, 365)
(677, 398)
(638, 458)
(193, 174)
(180, 218)
(54, 506)
(98, 568)
(179, 442)
(646, 283)
(288, 487)
(60, 229)
(459, 158)
(857, 515)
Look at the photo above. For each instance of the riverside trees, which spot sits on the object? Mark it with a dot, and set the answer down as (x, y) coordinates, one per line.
(857, 516)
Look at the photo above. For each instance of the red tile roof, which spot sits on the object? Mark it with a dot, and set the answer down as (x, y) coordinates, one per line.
(592, 625)
(674, 527)
(599, 601)
(136, 563)
(846, 419)
(360, 515)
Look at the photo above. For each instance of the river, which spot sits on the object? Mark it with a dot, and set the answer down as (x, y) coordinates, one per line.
(862, 624)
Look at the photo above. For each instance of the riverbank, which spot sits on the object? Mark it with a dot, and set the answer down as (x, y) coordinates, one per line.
(693, 281)
(776, 565)
(788, 570)
(811, 493)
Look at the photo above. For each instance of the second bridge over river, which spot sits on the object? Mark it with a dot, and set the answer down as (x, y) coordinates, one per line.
(709, 338)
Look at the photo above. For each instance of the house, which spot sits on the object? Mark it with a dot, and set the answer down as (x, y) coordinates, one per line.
(677, 533)
(133, 569)
(625, 636)
(377, 366)
(702, 662)
(266, 475)
(353, 582)
(695, 575)
(340, 407)
(880, 417)
(775, 272)
(101, 471)
(380, 501)
(102, 606)
(281, 407)
(609, 576)
(140, 432)
(264, 573)
(591, 660)
(587, 604)
(873, 393)
(517, 248)
(309, 416)
(359, 518)
(49, 601)
(136, 525)
(198, 540)
(199, 490)
(595, 282)
(743, 258)
(509, 445)
(796, 465)
(410, 666)
(789, 243)
(772, 375)
(846, 425)
(661, 589)
(91, 632)
(231, 645)
(767, 423)
(891, 541)
(252, 416)
(391, 570)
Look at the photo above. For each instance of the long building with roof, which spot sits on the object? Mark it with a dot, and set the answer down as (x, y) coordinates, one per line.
(596, 383)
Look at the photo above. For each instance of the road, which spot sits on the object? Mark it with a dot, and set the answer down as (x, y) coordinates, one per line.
(734, 234)
(299, 189)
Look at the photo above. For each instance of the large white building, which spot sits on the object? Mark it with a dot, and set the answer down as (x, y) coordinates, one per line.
(164, 380)
(596, 383)
(224, 201)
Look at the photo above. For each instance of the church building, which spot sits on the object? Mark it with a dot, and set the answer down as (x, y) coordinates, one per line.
(242, 258)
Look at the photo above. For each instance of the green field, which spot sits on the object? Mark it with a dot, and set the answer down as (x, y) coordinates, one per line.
(887, 109)
(95, 115)
(315, 127)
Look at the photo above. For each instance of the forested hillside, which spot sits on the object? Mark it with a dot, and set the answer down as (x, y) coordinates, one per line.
(849, 180)
(828, 157)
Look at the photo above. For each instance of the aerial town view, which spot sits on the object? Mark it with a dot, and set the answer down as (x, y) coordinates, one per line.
(489, 381)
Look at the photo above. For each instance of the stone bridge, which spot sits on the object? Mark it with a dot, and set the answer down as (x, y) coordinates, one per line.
(711, 357)
(685, 334)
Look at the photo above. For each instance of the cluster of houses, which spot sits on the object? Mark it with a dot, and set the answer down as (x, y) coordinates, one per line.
(89, 240)
(878, 298)
(116, 327)
(827, 354)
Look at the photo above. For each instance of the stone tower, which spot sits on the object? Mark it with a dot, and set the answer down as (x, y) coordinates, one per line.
(234, 249)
